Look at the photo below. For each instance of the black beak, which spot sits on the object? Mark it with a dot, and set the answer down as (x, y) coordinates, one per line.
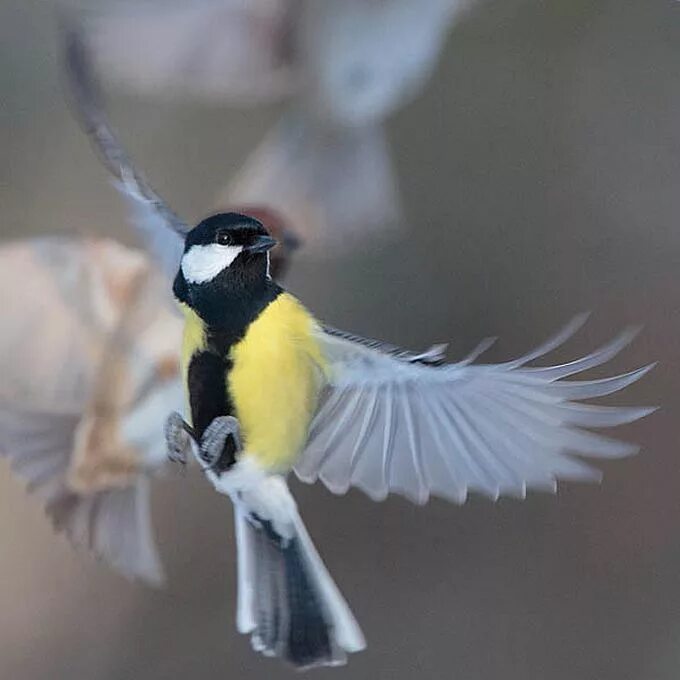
(261, 244)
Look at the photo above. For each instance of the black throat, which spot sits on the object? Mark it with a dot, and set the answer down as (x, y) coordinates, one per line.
(227, 305)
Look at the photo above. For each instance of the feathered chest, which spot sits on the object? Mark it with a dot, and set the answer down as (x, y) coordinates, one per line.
(269, 379)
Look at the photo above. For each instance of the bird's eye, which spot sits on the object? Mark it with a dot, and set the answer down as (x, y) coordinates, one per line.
(223, 238)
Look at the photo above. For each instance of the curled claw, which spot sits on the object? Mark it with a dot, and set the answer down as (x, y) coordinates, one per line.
(220, 443)
(178, 436)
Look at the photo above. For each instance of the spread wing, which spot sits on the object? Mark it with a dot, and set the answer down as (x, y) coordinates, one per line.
(391, 424)
(160, 229)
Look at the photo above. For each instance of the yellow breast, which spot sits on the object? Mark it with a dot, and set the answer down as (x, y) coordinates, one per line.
(275, 382)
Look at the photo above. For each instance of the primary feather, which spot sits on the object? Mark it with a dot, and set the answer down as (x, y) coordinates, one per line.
(387, 423)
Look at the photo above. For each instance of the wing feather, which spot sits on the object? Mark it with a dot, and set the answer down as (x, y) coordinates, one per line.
(389, 423)
(367, 471)
(444, 479)
(367, 424)
(415, 446)
(545, 462)
(389, 431)
(159, 228)
(403, 474)
(510, 474)
(551, 343)
(338, 465)
(596, 358)
(114, 524)
(237, 51)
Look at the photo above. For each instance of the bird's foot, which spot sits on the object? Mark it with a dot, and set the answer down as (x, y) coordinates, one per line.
(220, 443)
(178, 437)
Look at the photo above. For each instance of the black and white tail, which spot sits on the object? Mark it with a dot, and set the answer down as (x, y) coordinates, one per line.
(287, 600)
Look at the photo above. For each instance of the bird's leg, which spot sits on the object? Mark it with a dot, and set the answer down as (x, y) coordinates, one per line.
(220, 443)
(178, 437)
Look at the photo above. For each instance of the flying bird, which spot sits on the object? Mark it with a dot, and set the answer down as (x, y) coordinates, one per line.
(271, 390)
(341, 68)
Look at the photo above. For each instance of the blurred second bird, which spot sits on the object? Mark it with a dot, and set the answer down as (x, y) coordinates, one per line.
(342, 68)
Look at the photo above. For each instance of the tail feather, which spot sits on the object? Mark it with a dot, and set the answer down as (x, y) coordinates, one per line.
(288, 601)
(270, 604)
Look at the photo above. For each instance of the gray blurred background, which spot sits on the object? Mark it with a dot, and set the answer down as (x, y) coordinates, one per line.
(541, 176)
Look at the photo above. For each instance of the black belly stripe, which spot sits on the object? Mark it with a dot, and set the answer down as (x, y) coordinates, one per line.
(209, 399)
(208, 396)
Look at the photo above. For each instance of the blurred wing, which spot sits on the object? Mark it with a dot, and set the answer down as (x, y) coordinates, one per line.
(387, 424)
(114, 524)
(51, 324)
(363, 60)
(238, 51)
(335, 184)
(161, 230)
(73, 350)
(82, 305)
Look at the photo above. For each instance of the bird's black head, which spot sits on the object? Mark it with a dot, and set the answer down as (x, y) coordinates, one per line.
(225, 257)
(230, 230)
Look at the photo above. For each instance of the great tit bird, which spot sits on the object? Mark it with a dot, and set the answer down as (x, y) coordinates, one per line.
(271, 390)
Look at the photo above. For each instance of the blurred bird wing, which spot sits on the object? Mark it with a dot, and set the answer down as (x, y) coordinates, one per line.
(160, 229)
(114, 524)
(335, 184)
(53, 322)
(364, 60)
(389, 424)
(90, 373)
(135, 385)
(85, 310)
(239, 51)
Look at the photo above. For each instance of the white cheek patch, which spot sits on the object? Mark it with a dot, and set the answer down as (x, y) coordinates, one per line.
(204, 263)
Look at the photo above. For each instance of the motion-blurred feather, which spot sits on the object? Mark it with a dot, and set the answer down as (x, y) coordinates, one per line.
(159, 227)
(301, 160)
(89, 338)
(343, 68)
(228, 50)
